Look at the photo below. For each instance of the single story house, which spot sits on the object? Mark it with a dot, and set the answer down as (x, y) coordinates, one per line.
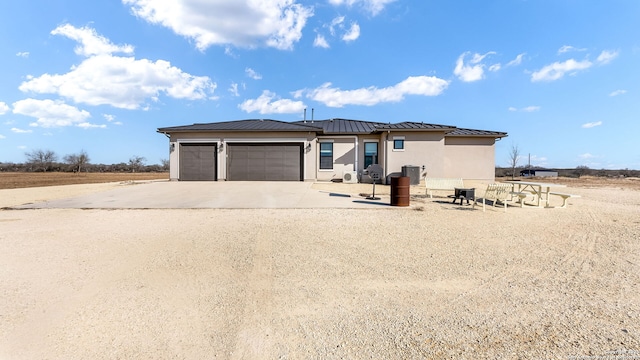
(326, 150)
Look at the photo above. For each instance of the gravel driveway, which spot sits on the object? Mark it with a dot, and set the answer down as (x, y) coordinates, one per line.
(435, 280)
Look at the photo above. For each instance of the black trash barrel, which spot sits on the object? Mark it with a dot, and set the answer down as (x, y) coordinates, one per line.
(400, 193)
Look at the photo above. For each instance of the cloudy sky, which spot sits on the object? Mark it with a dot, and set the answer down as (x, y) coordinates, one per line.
(562, 77)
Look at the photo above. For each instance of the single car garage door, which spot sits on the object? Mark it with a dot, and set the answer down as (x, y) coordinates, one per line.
(264, 162)
(198, 162)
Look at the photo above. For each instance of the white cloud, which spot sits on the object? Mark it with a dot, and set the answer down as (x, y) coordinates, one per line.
(90, 42)
(606, 57)
(21, 131)
(274, 23)
(2, 136)
(233, 89)
(265, 104)
(414, 85)
(121, 82)
(372, 6)
(252, 74)
(557, 70)
(86, 125)
(495, 67)
(586, 156)
(320, 41)
(336, 22)
(591, 124)
(111, 119)
(473, 70)
(618, 92)
(50, 113)
(353, 33)
(525, 109)
(24, 54)
(517, 61)
(4, 108)
(568, 48)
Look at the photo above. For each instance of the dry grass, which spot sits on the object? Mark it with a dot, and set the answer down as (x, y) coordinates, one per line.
(17, 180)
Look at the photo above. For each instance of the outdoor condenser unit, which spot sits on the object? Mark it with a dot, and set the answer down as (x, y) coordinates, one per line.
(350, 177)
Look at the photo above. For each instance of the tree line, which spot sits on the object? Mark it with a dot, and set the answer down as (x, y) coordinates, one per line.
(40, 160)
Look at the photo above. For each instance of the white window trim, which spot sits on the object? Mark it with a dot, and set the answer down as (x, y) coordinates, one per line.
(330, 141)
(403, 143)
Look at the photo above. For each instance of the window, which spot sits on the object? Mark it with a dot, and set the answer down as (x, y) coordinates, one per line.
(370, 153)
(326, 155)
(398, 144)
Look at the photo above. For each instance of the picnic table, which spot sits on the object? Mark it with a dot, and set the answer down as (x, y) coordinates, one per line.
(539, 190)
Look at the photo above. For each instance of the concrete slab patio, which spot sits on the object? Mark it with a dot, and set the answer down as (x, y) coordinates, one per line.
(218, 195)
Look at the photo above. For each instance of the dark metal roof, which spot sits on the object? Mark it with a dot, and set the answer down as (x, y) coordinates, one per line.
(346, 126)
(331, 126)
(241, 125)
(472, 132)
(407, 125)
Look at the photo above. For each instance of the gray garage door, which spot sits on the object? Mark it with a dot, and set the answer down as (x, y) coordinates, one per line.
(198, 162)
(264, 162)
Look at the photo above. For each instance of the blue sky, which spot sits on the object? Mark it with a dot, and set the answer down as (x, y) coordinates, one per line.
(562, 77)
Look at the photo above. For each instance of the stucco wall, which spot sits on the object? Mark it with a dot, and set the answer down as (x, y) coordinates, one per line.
(470, 158)
(420, 149)
(344, 157)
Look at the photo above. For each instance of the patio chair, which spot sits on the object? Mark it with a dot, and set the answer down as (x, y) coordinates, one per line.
(496, 193)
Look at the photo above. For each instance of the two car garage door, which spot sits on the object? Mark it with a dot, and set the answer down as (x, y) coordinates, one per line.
(245, 162)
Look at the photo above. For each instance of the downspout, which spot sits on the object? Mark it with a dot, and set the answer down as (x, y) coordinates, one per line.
(386, 137)
(355, 162)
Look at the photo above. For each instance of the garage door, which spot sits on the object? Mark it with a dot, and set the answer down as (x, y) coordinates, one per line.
(264, 162)
(198, 162)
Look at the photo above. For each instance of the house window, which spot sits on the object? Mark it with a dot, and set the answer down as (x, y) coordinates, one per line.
(370, 153)
(398, 144)
(326, 155)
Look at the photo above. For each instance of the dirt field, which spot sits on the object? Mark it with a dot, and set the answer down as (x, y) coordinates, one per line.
(16, 180)
(433, 281)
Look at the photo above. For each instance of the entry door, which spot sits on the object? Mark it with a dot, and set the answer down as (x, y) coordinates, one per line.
(198, 162)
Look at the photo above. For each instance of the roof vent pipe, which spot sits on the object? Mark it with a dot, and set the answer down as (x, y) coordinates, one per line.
(312, 111)
(305, 115)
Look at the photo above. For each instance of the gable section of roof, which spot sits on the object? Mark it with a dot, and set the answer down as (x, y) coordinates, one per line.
(243, 125)
(346, 126)
(415, 126)
(473, 132)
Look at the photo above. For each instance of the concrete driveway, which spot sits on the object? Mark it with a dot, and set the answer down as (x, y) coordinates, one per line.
(218, 195)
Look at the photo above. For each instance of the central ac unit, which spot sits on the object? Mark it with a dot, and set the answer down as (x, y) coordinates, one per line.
(350, 177)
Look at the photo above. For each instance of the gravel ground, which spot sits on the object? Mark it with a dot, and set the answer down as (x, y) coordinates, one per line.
(433, 281)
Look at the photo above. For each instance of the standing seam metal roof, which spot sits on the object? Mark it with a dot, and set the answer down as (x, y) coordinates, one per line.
(331, 126)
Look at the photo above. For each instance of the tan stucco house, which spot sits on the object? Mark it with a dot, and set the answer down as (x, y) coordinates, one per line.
(326, 150)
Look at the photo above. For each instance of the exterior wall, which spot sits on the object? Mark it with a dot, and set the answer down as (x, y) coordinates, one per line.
(309, 153)
(344, 156)
(420, 149)
(470, 158)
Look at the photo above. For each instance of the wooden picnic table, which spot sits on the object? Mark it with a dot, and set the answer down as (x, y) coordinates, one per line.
(539, 190)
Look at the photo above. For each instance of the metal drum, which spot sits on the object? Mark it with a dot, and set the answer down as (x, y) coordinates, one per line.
(400, 194)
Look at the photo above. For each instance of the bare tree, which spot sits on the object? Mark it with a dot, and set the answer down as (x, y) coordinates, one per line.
(41, 159)
(165, 164)
(77, 161)
(136, 162)
(514, 158)
(582, 170)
